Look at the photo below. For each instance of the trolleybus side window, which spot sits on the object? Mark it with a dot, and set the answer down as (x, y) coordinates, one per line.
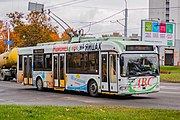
(82, 63)
(38, 62)
(48, 62)
(93, 61)
(43, 62)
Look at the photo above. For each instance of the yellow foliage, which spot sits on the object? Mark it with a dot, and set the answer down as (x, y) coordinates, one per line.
(65, 36)
(2, 46)
(55, 36)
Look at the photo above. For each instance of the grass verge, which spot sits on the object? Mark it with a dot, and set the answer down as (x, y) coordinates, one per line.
(174, 78)
(174, 75)
(172, 69)
(12, 112)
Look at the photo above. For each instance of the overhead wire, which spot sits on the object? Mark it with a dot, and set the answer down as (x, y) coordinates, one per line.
(95, 7)
(114, 31)
(88, 29)
(87, 22)
(128, 9)
(69, 4)
(61, 3)
(103, 19)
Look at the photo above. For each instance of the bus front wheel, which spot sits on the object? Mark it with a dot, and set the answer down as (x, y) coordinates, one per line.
(39, 84)
(93, 88)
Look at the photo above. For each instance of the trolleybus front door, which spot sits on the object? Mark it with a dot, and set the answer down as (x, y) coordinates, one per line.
(55, 70)
(58, 70)
(109, 72)
(27, 70)
(113, 72)
(104, 72)
(61, 71)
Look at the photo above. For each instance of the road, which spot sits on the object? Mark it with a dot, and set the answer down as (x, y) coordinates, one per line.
(13, 93)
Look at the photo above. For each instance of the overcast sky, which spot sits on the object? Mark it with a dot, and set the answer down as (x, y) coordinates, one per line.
(78, 13)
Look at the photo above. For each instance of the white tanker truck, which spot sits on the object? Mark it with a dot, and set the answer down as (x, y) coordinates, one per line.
(8, 64)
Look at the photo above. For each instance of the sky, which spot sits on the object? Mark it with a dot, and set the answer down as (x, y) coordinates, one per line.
(79, 13)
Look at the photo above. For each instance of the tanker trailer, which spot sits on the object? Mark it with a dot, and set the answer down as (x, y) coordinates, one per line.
(8, 64)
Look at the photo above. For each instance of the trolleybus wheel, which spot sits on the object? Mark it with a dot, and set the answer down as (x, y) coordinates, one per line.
(93, 88)
(39, 84)
(3, 77)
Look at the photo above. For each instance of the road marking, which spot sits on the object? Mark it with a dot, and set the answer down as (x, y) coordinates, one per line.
(170, 92)
(170, 87)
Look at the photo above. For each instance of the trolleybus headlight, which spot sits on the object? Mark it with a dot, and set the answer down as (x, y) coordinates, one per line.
(122, 88)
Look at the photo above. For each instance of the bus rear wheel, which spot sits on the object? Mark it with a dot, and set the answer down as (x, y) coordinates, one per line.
(93, 88)
(3, 77)
(39, 84)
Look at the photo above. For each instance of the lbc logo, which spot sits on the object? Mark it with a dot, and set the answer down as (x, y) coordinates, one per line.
(145, 81)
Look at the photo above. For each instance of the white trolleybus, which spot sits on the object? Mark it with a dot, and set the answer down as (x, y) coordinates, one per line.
(92, 65)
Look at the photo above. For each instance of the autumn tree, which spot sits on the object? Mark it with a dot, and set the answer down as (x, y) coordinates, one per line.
(66, 34)
(37, 29)
(2, 46)
(3, 34)
(42, 20)
(16, 19)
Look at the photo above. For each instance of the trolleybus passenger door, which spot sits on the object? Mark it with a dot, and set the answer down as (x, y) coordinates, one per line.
(113, 72)
(61, 71)
(20, 76)
(55, 70)
(104, 72)
(27, 70)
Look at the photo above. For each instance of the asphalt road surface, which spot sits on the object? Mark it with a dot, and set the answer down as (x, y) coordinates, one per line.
(14, 93)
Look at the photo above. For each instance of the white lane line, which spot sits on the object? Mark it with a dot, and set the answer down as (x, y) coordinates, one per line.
(169, 92)
(168, 87)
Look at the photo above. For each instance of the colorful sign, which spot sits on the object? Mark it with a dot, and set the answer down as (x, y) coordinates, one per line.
(90, 46)
(162, 27)
(148, 26)
(159, 33)
(78, 47)
(60, 49)
(169, 28)
(155, 27)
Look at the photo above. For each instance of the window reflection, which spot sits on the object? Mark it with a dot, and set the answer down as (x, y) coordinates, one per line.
(139, 64)
(87, 62)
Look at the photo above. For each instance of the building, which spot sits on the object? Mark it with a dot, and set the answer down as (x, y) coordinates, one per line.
(167, 11)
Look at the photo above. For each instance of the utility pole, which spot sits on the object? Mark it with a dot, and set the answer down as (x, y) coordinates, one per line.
(125, 25)
(126, 20)
(8, 39)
